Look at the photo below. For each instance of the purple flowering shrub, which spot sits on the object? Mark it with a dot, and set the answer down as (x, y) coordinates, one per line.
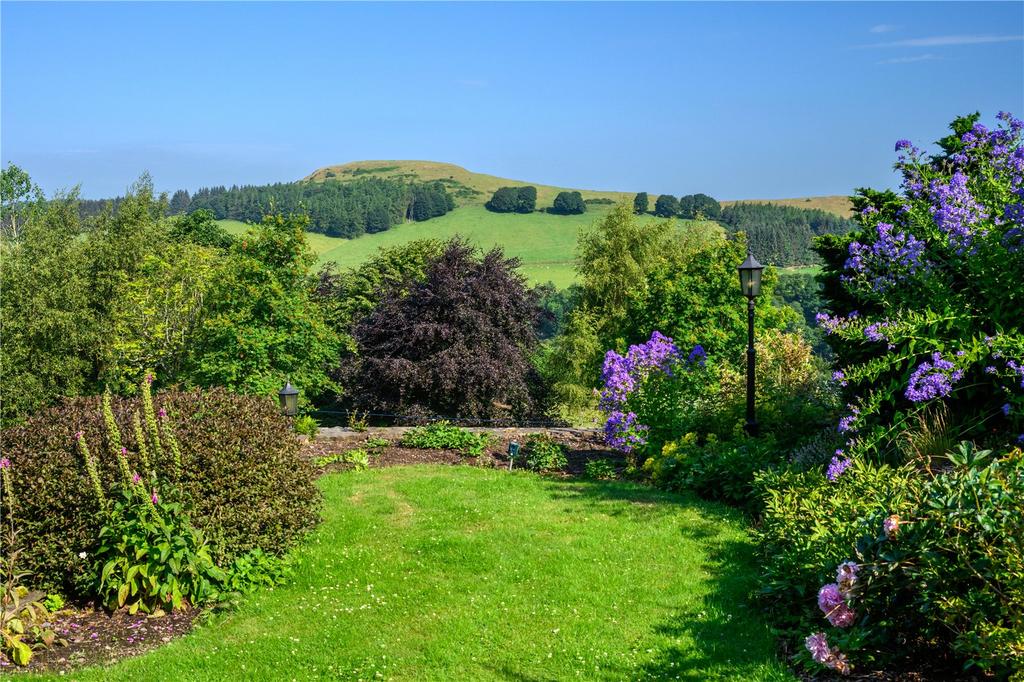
(928, 298)
(649, 393)
(926, 318)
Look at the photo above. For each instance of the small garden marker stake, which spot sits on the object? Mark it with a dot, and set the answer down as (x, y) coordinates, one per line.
(513, 450)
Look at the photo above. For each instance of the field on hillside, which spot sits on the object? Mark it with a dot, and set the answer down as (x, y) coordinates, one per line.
(544, 242)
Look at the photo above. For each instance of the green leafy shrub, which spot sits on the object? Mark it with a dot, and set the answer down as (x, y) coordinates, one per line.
(938, 562)
(544, 454)
(152, 558)
(715, 470)
(601, 469)
(307, 426)
(256, 569)
(377, 443)
(240, 479)
(358, 458)
(53, 602)
(444, 435)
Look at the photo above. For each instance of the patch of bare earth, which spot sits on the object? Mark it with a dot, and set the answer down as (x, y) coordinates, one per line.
(93, 637)
(582, 445)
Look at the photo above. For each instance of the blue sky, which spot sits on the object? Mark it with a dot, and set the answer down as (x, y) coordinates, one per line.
(741, 100)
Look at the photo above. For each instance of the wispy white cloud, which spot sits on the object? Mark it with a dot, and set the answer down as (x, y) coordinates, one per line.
(909, 60)
(944, 41)
(882, 28)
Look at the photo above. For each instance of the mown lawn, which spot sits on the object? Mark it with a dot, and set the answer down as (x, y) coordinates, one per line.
(460, 573)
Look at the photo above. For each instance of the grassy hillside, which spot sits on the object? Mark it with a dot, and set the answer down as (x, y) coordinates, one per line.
(839, 205)
(468, 188)
(545, 243)
(472, 188)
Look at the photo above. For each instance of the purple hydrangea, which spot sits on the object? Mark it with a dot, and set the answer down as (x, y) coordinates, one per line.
(1006, 409)
(833, 604)
(933, 379)
(837, 466)
(957, 213)
(697, 356)
(817, 644)
(839, 377)
(846, 576)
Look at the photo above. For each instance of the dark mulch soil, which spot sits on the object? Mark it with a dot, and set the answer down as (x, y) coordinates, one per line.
(94, 637)
(581, 447)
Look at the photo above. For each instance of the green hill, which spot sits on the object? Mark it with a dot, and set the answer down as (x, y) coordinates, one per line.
(472, 188)
(544, 242)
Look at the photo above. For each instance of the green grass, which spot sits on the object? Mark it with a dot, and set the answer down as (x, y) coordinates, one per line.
(545, 243)
(801, 270)
(459, 573)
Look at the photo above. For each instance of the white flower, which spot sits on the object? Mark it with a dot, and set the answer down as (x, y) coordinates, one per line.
(82, 555)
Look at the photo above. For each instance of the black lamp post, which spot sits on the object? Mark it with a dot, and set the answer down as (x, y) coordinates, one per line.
(289, 398)
(750, 283)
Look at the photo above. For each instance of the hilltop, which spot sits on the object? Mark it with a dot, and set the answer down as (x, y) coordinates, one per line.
(471, 188)
(544, 242)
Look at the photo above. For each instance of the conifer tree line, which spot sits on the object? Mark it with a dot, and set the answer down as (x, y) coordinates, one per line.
(783, 235)
(779, 235)
(337, 209)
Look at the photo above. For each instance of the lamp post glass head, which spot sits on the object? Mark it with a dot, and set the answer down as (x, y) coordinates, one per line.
(289, 398)
(750, 276)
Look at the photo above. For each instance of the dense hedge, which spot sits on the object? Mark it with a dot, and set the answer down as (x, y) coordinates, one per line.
(241, 476)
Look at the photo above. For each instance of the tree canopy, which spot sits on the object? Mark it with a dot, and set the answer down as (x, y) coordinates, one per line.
(569, 203)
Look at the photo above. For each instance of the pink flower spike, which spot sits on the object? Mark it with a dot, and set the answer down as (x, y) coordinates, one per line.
(154, 497)
(5, 463)
(124, 452)
(149, 378)
(136, 478)
(79, 435)
(162, 413)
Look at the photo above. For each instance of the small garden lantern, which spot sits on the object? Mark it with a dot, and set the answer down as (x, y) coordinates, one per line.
(289, 398)
(750, 277)
(750, 284)
(513, 450)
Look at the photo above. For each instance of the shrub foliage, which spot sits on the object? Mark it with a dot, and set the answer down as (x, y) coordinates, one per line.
(240, 479)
